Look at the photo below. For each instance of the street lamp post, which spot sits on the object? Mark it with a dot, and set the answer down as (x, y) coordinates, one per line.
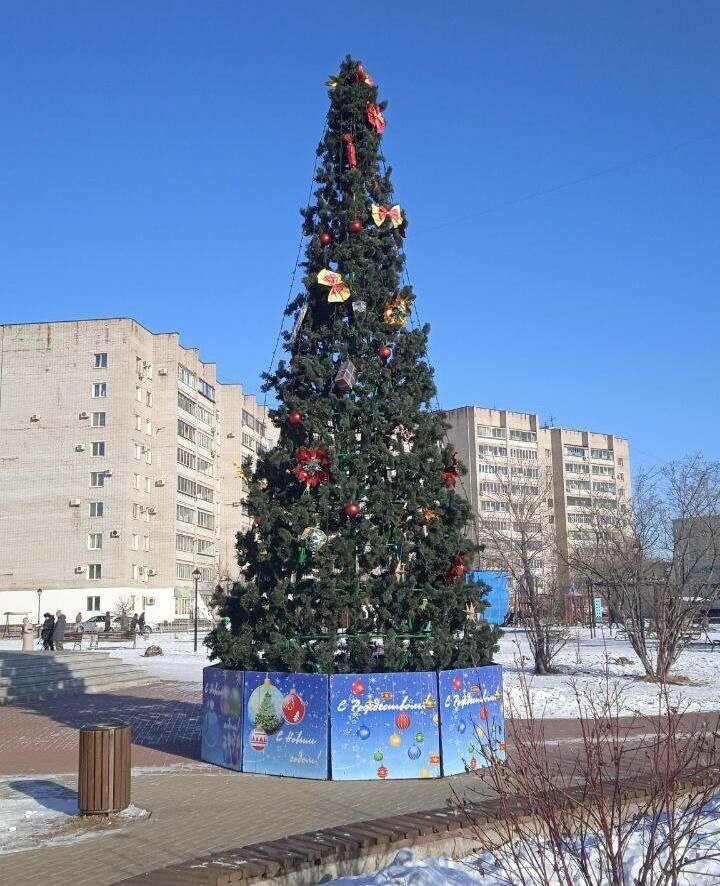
(39, 593)
(196, 576)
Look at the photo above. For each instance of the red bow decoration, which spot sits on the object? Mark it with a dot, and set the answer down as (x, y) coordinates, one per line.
(362, 76)
(450, 476)
(375, 117)
(455, 570)
(313, 466)
(350, 150)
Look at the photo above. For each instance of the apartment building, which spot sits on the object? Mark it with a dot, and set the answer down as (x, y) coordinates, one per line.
(119, 455)
(571, 472)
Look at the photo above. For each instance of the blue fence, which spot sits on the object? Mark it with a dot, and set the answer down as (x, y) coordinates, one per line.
(498, 599)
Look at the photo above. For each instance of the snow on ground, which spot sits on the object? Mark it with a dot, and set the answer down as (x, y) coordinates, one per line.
(584, 664)
(482, 869)
(43, 813)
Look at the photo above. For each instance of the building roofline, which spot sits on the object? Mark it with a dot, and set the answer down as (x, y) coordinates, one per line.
(91, 320)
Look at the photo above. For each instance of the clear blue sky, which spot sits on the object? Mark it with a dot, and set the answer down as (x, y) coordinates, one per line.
(153, 157)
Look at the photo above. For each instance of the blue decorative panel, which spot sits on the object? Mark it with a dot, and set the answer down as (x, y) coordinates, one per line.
(384, 726)
(472, 729)
(286, 724)
(221, 741)
(498, 597)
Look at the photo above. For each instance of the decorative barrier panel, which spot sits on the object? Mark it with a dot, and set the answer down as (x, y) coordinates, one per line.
(384, 726)
(221, 741)
(286, 724)
(472, 727)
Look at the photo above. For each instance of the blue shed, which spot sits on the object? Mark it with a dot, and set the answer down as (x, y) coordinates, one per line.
(498, 598)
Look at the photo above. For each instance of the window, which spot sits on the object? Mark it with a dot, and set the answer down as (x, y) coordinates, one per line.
(206, 389)
(139, 366)
(203, 440)
(135, 542)
(248, 419)
(96, 509)
(577, 484)
(146, 542)
(134, 572)
(98, 419)
(603, 469)
(620, 462)
(207, 573)
(577, 501)
(495, 488)
(523, 436)
(576, 451)
(148, 456)
(138, 451)
(497, 525)
(138, 423)
(138, 393)
(185, 486)
(97, 478)
(491, 432)
(185, 458)
(94, 571)
(184, 570)
(148, 398)
(494, 506)
(497, 451)
(93, 604)
(600, 486)
(533, 473)
(186, 403)
(524, 489)
(248, 441)
(182, 605)
(185, 515)
(205, 520)
(205, 546)
(204, 492)
(184, 543)
(101, 361)
(135, 510)
(185, 430)
(575, 468)
(136, 481)
(204, 466)
(100, 389)
(187, 377)
(602, 454)
(98, 447)
(95, 541)
(524, 454)
(579, 518)
(148, 427)
(148, 484)
(204, 414)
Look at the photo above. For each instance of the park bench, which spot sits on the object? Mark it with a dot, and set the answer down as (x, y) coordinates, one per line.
(114, 636)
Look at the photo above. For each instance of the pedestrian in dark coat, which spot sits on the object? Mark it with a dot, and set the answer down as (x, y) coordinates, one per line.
(134, 623)
(59, 630)
(108, 623)
(46, 632)
(141, 621)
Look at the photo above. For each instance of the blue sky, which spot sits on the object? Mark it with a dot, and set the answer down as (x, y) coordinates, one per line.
(154, 156)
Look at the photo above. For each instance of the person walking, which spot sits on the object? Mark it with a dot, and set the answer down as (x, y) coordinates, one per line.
(46, 632)
(108, 623)
(59, 629)
(78, 622)
(134, 623)
(141, 622)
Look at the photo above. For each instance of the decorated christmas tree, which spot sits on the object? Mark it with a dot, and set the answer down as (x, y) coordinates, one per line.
(357, 557)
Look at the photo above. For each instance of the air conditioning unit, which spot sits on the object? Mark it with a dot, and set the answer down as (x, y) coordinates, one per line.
(108, 473)
(74, 503)
(231, 436)
(159, 482)
(148, 601)
(146, 365)
(143, 449)
(152, 511)
(152, 572)
(162, 371)
(34, 418)
(79, 570)
(212, 453)
(114, 533)
(141, 570)
(84, 415)
(236, 504)
(80, 448)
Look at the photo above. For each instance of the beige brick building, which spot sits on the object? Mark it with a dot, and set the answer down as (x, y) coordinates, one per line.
(572, 472)
(118, 468)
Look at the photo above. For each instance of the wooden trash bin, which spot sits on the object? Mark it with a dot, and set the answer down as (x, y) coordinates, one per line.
(104, 770)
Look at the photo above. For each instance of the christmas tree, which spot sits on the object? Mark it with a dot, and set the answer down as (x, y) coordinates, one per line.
(356, 561)
(266, 717)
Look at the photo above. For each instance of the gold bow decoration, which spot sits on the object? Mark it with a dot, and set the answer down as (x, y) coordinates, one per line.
(240, 471)
(380, 213)
(339, 290)
(332, 82)
(397, 311)
(362, 76)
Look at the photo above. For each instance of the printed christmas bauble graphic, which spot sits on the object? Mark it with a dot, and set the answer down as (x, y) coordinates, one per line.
(211, 727)
(235, 702)
(363, 733)
(402, 721)
(419, 737)
(457, 683)
(258, 739)
(424, 773)
(357, 688)
(382, 772)
(473, 763)
(414, 752)
(265, 707)
(461, 727)
(225, 701)
(483, 713)
(377, 756)
(434, 759)
(293, 707)
(395, 740)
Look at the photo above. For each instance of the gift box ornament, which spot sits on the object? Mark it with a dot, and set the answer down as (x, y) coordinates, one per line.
(346, 376)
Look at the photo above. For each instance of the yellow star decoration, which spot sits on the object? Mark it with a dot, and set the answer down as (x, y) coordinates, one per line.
(397, 311)
(470, 612)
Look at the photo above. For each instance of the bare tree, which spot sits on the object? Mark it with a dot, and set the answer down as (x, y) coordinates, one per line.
(514, 523)
(656, 559)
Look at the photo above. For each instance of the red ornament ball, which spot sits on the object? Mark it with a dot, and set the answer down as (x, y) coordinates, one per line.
(457, 684)
(293, 707)
(258, 520)
(382, 772)
(483, 713)
(351, 509)
(385, 352)
(295, 417)
(325, 238)
(357, 688)
(473, 763)
(355, 226)
(402, 721)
